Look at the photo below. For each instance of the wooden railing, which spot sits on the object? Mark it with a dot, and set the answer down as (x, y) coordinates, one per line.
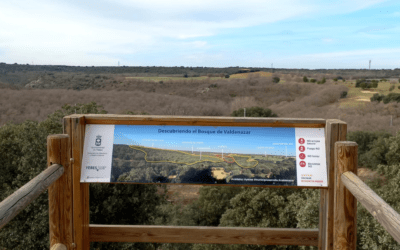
(348, 189)
(57, 146)
(15, 203)
(69, 203)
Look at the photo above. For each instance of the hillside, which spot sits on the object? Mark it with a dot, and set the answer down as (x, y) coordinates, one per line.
(24, 149)
(37, 97)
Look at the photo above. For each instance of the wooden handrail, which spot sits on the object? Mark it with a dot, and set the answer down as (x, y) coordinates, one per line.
(203, 235)
(59, 246)
(381, 211)
(13, 204)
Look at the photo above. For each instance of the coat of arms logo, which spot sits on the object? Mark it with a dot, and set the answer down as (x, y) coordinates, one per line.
(98, 140)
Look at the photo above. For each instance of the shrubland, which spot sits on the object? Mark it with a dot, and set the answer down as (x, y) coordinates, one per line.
(291, 97)
(27, 116)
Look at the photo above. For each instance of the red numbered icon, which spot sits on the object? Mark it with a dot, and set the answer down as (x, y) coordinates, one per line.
(302, 148)
(302, 141)
(302, 164)
(302, 156)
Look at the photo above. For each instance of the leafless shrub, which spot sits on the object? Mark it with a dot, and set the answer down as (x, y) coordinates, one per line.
(19, 105)
(195, 97)
(243, 102)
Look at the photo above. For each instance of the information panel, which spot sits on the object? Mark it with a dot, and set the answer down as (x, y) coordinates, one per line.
(204, 155)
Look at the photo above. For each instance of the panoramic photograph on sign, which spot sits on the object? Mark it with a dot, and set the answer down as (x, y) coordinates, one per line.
(204, 155)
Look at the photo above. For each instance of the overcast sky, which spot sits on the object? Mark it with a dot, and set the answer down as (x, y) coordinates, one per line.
(288, 33)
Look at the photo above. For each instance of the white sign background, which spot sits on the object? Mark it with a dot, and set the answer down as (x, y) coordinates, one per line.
(96, 161)
(310, 150)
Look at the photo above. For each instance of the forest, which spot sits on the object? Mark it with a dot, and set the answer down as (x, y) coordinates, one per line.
(28, 115)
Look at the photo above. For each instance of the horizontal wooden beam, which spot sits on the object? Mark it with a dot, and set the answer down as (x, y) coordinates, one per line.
(202, 121)
(382, 212)
(15, 203)
(203, 235)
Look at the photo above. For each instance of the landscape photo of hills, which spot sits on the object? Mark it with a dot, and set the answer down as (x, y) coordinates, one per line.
(204, 155)
(331, 60)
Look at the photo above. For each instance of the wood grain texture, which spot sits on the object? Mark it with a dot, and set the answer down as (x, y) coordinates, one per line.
(323, 220)
(67, 129)
(60, 192)
(84, 194)
(201, 121)
(80, 191)
(13, 204)
(382, 212)
(204, 235)
(336, 130)
(345, 212)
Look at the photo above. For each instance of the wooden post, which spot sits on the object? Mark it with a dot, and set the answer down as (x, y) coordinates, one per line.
(335, 130)
(60, 192)
(345, 212)
(74, 125)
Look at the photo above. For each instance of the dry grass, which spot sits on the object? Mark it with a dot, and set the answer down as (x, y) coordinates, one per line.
(290, 98)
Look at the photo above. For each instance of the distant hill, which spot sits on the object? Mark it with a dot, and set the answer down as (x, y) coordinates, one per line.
(21, 73)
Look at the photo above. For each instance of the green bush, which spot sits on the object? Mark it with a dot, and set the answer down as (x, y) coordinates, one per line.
(364, 84)
(384, 149)
(391, 97)
(276, 79)
(359, 82)
(398, 87)
(312, 80)
(335, 79)
(370, 147)
(227, 76)
(377, 98)
(343, 94)
(24, 155)
(305, 79)
(254, 112)
(391, 88)
(323, 80)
